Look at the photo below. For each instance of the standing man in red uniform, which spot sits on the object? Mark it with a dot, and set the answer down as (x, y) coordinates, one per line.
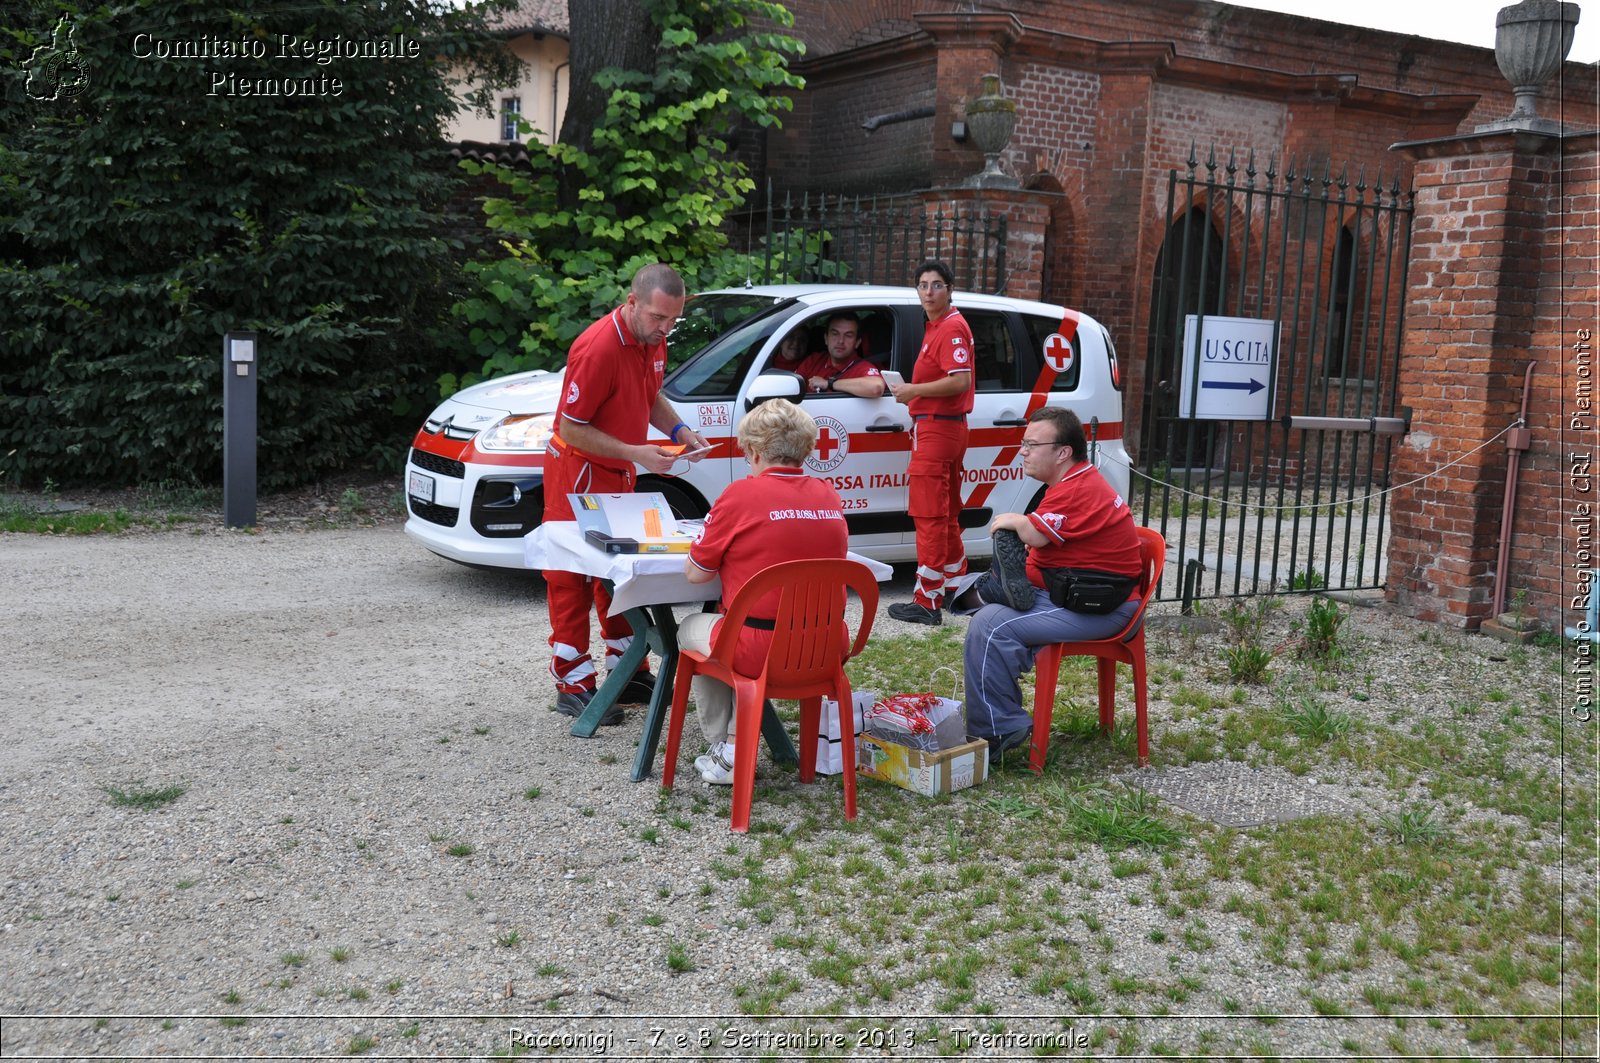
(939, 397)
(611, 398)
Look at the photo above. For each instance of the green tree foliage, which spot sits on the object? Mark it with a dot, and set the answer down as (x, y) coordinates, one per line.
(652, 180)
(162, 206)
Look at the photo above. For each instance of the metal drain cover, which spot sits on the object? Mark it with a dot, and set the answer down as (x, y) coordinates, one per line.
(1237, 795)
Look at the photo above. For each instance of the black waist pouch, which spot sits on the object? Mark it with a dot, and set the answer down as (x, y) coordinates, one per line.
(1085, 590)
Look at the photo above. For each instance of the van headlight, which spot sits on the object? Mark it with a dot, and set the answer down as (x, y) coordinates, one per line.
(520, 432)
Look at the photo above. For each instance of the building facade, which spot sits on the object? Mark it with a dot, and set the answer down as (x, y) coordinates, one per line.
(1114, 98)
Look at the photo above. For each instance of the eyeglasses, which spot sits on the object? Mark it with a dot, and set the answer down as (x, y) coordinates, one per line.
(1029, 444)
(936, 286)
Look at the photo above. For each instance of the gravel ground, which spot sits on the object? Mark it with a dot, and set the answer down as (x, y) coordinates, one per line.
(343, 709)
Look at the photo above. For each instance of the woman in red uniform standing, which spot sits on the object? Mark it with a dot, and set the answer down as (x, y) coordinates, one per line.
(939, 397)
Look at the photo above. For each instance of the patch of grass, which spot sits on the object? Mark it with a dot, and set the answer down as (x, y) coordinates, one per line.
(15, 518)
(509, 940)
(460, 849)
(1118, 821)
(678, 959)
(1248, 663)
(1414, 826)
(532, 793)
(1322, 624)
(340, 953)
(145, 799)
(1311, 719)
(1308, 579)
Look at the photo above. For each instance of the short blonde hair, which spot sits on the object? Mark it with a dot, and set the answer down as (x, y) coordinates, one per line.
(778, 431)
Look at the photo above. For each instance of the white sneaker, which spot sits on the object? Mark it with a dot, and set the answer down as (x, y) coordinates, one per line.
(717, 771)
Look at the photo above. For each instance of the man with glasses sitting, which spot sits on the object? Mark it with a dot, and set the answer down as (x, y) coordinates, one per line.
(939, 397)
(1063, 573)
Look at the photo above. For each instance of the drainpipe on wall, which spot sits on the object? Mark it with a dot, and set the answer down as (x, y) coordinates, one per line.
(1517, 441)
(555, 99)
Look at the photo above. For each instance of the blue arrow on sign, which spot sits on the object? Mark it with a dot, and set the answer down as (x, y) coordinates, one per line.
(1234, 385)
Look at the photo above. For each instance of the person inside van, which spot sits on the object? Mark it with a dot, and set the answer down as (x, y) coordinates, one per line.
(841, 367)
(791, 352)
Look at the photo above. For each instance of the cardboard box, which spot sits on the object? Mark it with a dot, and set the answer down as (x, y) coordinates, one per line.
(928, 774)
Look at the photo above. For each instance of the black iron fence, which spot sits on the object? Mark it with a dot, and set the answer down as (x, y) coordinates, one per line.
(877, 240)
(1290, 494)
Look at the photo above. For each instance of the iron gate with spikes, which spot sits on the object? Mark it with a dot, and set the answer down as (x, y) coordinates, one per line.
(1298, 501)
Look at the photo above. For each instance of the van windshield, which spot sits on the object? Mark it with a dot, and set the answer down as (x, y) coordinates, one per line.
(716, 340)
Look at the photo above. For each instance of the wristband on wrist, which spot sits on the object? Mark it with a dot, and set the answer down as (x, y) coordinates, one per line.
(675, 428)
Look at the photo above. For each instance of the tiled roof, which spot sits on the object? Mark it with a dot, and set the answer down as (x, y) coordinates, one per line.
(541, 16)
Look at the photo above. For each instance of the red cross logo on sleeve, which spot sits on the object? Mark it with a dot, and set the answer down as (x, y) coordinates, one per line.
(1058, 352)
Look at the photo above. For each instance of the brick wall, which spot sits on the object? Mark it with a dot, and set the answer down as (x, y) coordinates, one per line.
(1502, 276)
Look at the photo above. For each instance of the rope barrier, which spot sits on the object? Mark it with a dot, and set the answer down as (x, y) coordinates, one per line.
(1518, 423)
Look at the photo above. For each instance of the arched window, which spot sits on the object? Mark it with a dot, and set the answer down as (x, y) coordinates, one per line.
(1338, 359)
(1188, 280)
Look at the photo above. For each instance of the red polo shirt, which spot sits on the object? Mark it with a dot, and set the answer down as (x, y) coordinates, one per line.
(611, 383)
(1088, 525)
(821, 364)
(947, 349)
(781, 515)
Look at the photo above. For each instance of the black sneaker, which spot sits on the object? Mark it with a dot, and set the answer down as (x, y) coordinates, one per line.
(912, 613)
(639, 689)
(569, 703)
(999, 746)
(1010, 566)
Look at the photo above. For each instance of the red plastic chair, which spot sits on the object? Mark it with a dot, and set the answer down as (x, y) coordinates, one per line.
(806, 661)
(1126, 646)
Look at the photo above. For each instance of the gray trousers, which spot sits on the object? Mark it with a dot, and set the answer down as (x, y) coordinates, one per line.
(713, 699)
(1001, 645)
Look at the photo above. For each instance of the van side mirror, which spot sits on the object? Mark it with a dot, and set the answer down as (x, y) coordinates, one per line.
(774, 384)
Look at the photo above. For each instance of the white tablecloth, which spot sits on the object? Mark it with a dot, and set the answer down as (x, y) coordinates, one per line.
(637, 579)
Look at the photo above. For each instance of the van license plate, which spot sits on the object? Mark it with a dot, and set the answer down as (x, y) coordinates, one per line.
(420, 487)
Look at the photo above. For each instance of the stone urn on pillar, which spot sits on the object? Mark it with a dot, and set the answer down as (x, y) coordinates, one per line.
(1531, 41)
(990, 119)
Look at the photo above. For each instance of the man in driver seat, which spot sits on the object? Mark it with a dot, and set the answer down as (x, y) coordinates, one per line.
(841, 367)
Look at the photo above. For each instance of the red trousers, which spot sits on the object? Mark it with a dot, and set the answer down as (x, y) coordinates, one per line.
(938, 448)
(570, 595)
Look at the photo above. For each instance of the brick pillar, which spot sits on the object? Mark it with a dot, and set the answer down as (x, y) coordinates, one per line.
(1027, 215)
(1483, 206)
(968, 47)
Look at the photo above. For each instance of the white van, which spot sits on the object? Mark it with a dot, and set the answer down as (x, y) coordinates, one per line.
(474, 480)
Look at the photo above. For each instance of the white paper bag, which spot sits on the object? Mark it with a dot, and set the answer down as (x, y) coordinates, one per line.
(829, 759)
